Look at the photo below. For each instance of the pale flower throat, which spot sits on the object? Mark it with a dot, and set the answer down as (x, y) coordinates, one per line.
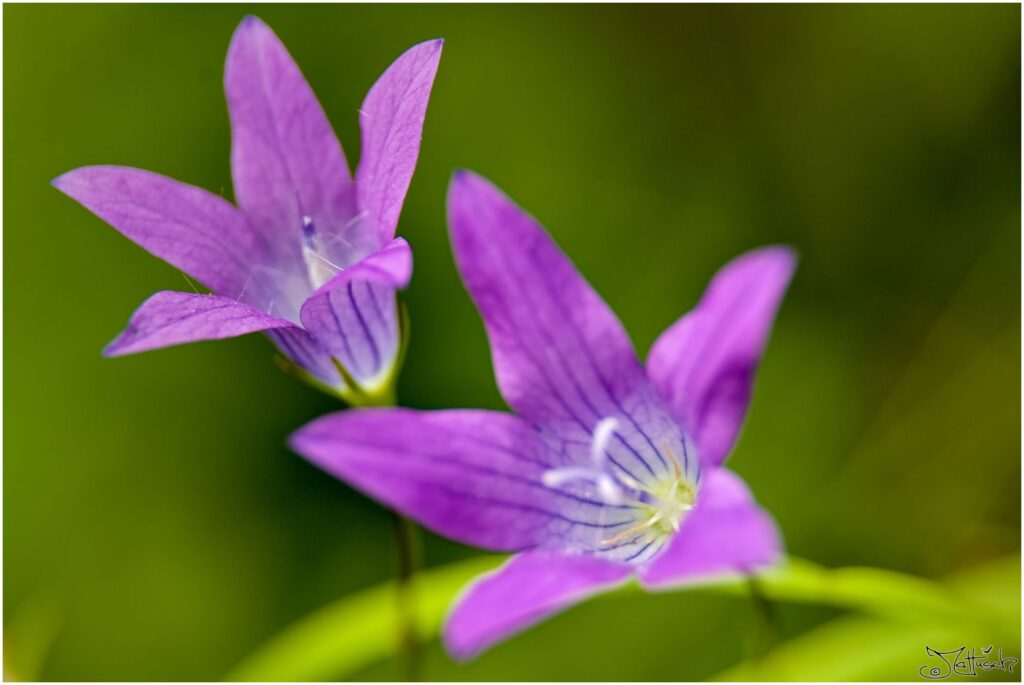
(318, 267)
(659, 505)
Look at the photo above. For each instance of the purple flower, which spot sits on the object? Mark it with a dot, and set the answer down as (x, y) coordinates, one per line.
(309, 256)
(607, 470)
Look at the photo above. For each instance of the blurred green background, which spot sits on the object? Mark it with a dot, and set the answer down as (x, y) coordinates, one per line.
(155, 524)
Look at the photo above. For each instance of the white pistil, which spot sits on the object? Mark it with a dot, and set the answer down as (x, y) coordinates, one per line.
(603, 432)
(608, 490)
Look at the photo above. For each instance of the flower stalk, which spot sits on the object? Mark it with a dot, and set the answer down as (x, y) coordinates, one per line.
(405, 532)
(406, 544)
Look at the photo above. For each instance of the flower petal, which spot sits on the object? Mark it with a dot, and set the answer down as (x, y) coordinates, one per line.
(285, 159)
(188, 227)
(725, 533)
(354, 316)
(171, 318)
(474, 476)
(704, 365)
(299, 346)
(391, 119)
(562, 359)
(526, 590)
(557, 348)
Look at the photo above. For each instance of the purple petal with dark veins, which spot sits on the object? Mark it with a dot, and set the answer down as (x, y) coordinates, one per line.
(188, 227)
(391, 120)
(299, 346)
(704, 365)
(471, 475)
(561, 357)
(727, 532)
(285, 159)
(354, 316)
(171, 318)
(526, 590)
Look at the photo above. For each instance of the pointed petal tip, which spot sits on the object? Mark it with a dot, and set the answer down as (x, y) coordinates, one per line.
(783, 254)
(425, 56)
(470, 196)
(781, 258)
(457, 647)
(775, 261)
(112, 349)
(251, 28)
(250, 22)
(63, 181)
(297, 440)
(59, 181)
(434, 45)
(70, 178)
(461, 174)
(119, 346)
(304, 441)
(466, 180)
(787, 252)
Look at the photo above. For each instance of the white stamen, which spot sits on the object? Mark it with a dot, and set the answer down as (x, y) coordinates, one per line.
(319, 268)
(355, 220)
(244, 288)
(327, 261)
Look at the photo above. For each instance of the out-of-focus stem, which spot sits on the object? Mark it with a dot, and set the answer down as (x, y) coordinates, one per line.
(406, 535)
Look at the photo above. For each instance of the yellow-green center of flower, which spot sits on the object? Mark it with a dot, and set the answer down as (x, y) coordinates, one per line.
(639, 516)
(665, 504)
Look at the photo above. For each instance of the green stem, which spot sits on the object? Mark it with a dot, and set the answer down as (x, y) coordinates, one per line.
(406, 535)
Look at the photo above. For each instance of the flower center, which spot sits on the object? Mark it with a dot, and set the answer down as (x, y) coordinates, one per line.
(319, 268)
(663, 512)
(659, 505)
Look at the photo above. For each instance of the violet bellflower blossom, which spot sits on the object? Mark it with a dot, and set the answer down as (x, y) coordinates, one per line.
(607, 470)
(309, 256)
